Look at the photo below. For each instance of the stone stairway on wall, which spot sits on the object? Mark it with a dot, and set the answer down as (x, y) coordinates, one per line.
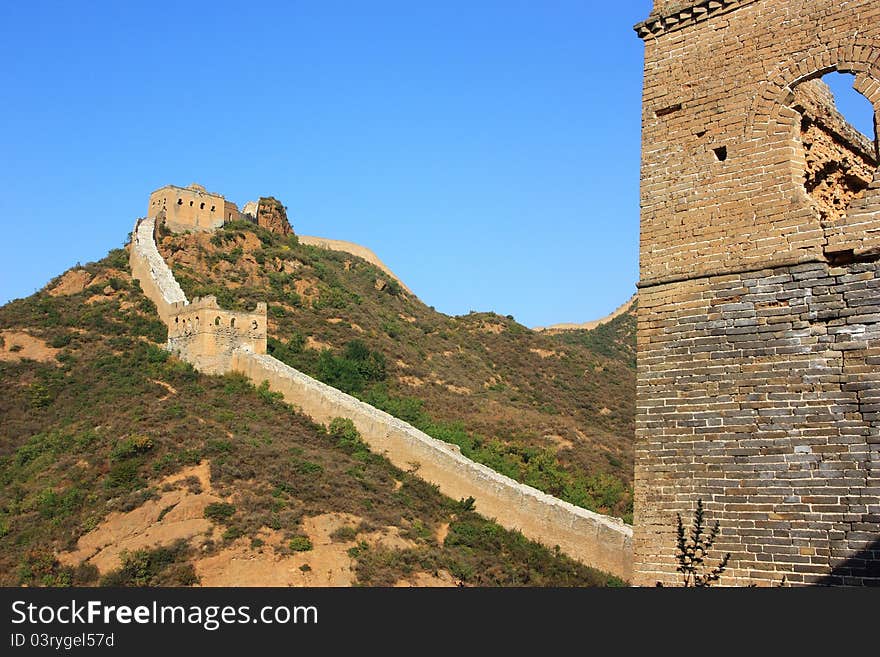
(217, 341)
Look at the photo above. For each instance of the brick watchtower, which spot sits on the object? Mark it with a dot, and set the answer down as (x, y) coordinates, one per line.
(759, 303)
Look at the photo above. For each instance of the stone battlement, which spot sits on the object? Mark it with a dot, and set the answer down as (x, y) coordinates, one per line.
(670, 15)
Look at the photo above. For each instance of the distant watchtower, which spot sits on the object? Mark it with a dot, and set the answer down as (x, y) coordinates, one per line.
(191, 208)
(759, 304)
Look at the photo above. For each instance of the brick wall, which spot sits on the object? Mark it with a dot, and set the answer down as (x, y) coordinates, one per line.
(759, 308)
(760, 393)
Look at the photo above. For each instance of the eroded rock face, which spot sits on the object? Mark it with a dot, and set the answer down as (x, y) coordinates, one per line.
(72, 282)
(272, 216)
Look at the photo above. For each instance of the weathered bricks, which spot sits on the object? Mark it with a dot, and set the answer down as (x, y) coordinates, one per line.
(759, 310)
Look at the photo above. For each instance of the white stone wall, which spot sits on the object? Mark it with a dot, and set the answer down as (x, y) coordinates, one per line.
(148, 267)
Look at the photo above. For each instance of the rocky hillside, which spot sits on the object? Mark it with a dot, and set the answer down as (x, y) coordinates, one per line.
(551, 410)
(121, 465)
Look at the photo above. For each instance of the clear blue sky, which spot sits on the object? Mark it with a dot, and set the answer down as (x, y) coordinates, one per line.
(487, 151)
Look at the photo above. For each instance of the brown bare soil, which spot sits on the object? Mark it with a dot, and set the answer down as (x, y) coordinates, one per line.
(177, 514)
(16, 345)
(72, 282)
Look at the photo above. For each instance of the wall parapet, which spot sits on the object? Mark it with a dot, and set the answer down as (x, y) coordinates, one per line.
(670, 16)
(150, 269)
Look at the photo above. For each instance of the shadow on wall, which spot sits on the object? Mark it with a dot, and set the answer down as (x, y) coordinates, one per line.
(861, 569)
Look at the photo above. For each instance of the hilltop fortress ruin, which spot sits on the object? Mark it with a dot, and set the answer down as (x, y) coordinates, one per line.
(759, 300)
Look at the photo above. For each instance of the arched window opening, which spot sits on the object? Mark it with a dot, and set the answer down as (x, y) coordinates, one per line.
(217, 321)
(856, 109)
(180, 201)
(254, 325)
(232, 322)
(839, 141)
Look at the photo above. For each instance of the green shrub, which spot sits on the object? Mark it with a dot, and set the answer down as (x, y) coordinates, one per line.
(334, 297)
(41, 568)
(358, 550)
(232, 533)
(42, 394)
(354, 369)
(232, 256)
(235, 383)
(300, 544)
(344, 429)
(268, 395)
(219, 512)
(60, 505)
(287, 352)
(164, 566)
(308, 467)
(339, 372)
(131, 446)
(165, 511)
(117, 259)
(124, 477)
(344, 534)
(391, 329)
(61, 340)
(49, 444)
(296, 342)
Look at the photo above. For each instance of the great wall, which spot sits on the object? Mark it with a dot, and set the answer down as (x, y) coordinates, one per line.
(216, 341)
(758, 379)
(589, 326)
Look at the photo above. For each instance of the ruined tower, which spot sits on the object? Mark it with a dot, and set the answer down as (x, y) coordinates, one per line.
(191, 208)
(759, 303)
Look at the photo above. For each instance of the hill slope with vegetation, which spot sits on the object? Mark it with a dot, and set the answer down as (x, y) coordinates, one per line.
(555, 411)
(121, 465)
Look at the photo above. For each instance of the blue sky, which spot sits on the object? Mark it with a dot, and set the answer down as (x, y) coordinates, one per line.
(487, 151)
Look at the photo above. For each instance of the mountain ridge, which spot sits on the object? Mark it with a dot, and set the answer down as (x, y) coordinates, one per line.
(92, 434)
